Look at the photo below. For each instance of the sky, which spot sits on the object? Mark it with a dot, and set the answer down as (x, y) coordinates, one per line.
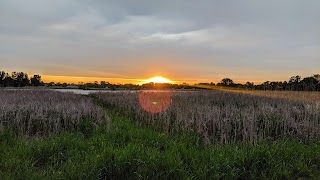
(125, 41)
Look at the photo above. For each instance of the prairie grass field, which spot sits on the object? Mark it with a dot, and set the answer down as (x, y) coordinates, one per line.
(157, 135)
(222, 117)
(304, 96)
(44, 113)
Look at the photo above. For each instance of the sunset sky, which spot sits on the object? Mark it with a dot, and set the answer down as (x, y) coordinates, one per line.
(126, 41)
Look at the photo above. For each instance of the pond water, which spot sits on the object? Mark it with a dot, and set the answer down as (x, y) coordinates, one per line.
(86, 92)
(75, 91)
(81, 91)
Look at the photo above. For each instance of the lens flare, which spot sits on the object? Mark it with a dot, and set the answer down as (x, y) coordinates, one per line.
(155, 102)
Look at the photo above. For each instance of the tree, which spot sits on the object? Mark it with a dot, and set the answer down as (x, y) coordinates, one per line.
(8, 81)
(294, 82)
(309, 84)
(21, 79)
(24, 79)
(2, 76)
(36, 80)
(249, 85)
(317, 77)
(14, 77)
(51, 84)
(266, 85)
(295, 79)
(104, 84)
(226, 82)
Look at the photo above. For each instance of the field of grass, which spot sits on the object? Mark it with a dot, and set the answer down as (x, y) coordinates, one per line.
(122, 139)
(220, 117)
(305, 96)
(43, 112)
(126, 151)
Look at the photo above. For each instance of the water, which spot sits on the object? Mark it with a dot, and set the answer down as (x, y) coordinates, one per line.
(86, 92)
(75, 91)
(80, 91)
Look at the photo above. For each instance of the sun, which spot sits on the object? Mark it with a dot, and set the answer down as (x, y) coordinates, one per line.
(158, 79)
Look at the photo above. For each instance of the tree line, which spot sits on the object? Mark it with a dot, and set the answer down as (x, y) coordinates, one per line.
(19, 79)
(295, 83)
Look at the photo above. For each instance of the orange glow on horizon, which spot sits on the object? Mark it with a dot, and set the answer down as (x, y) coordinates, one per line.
(76, 80)
(156, 79)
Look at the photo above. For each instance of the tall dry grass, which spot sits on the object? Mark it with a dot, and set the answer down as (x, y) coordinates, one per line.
(306, 96)
(310, 96)
(45, 112)
(224, 117)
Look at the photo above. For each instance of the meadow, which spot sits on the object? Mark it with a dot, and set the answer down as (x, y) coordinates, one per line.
(312, 96)
(221, 117)
(157, 135)
(37, 113)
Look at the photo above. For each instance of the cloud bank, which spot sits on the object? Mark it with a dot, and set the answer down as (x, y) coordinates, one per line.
(184, 40)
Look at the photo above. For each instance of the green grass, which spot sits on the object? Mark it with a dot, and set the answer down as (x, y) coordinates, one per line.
(125, 151)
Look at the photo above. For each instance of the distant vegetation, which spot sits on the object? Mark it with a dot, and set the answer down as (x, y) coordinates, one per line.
(295, 83)
(19, 79)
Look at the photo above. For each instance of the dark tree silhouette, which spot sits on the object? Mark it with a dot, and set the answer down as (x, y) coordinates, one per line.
(226, 82)
(36, 80)
(295, 83)
(317, 77)
(2, 76)
(20, 79)
(295, 79)
(249, 85)
(8, 81)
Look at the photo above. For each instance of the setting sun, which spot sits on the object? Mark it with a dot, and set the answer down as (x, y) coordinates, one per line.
(158, 79)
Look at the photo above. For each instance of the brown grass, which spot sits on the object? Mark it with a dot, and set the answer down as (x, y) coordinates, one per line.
(306, 96)
(225, 117)
(45, 112)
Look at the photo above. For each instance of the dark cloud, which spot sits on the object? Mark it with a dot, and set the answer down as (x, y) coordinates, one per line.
(235, 36)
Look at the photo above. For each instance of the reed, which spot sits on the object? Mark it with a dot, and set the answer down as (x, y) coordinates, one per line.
(305, 96)
(44, 112)
(223, 117)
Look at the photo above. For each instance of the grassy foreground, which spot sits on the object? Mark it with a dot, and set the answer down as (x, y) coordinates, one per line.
(124, 151)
